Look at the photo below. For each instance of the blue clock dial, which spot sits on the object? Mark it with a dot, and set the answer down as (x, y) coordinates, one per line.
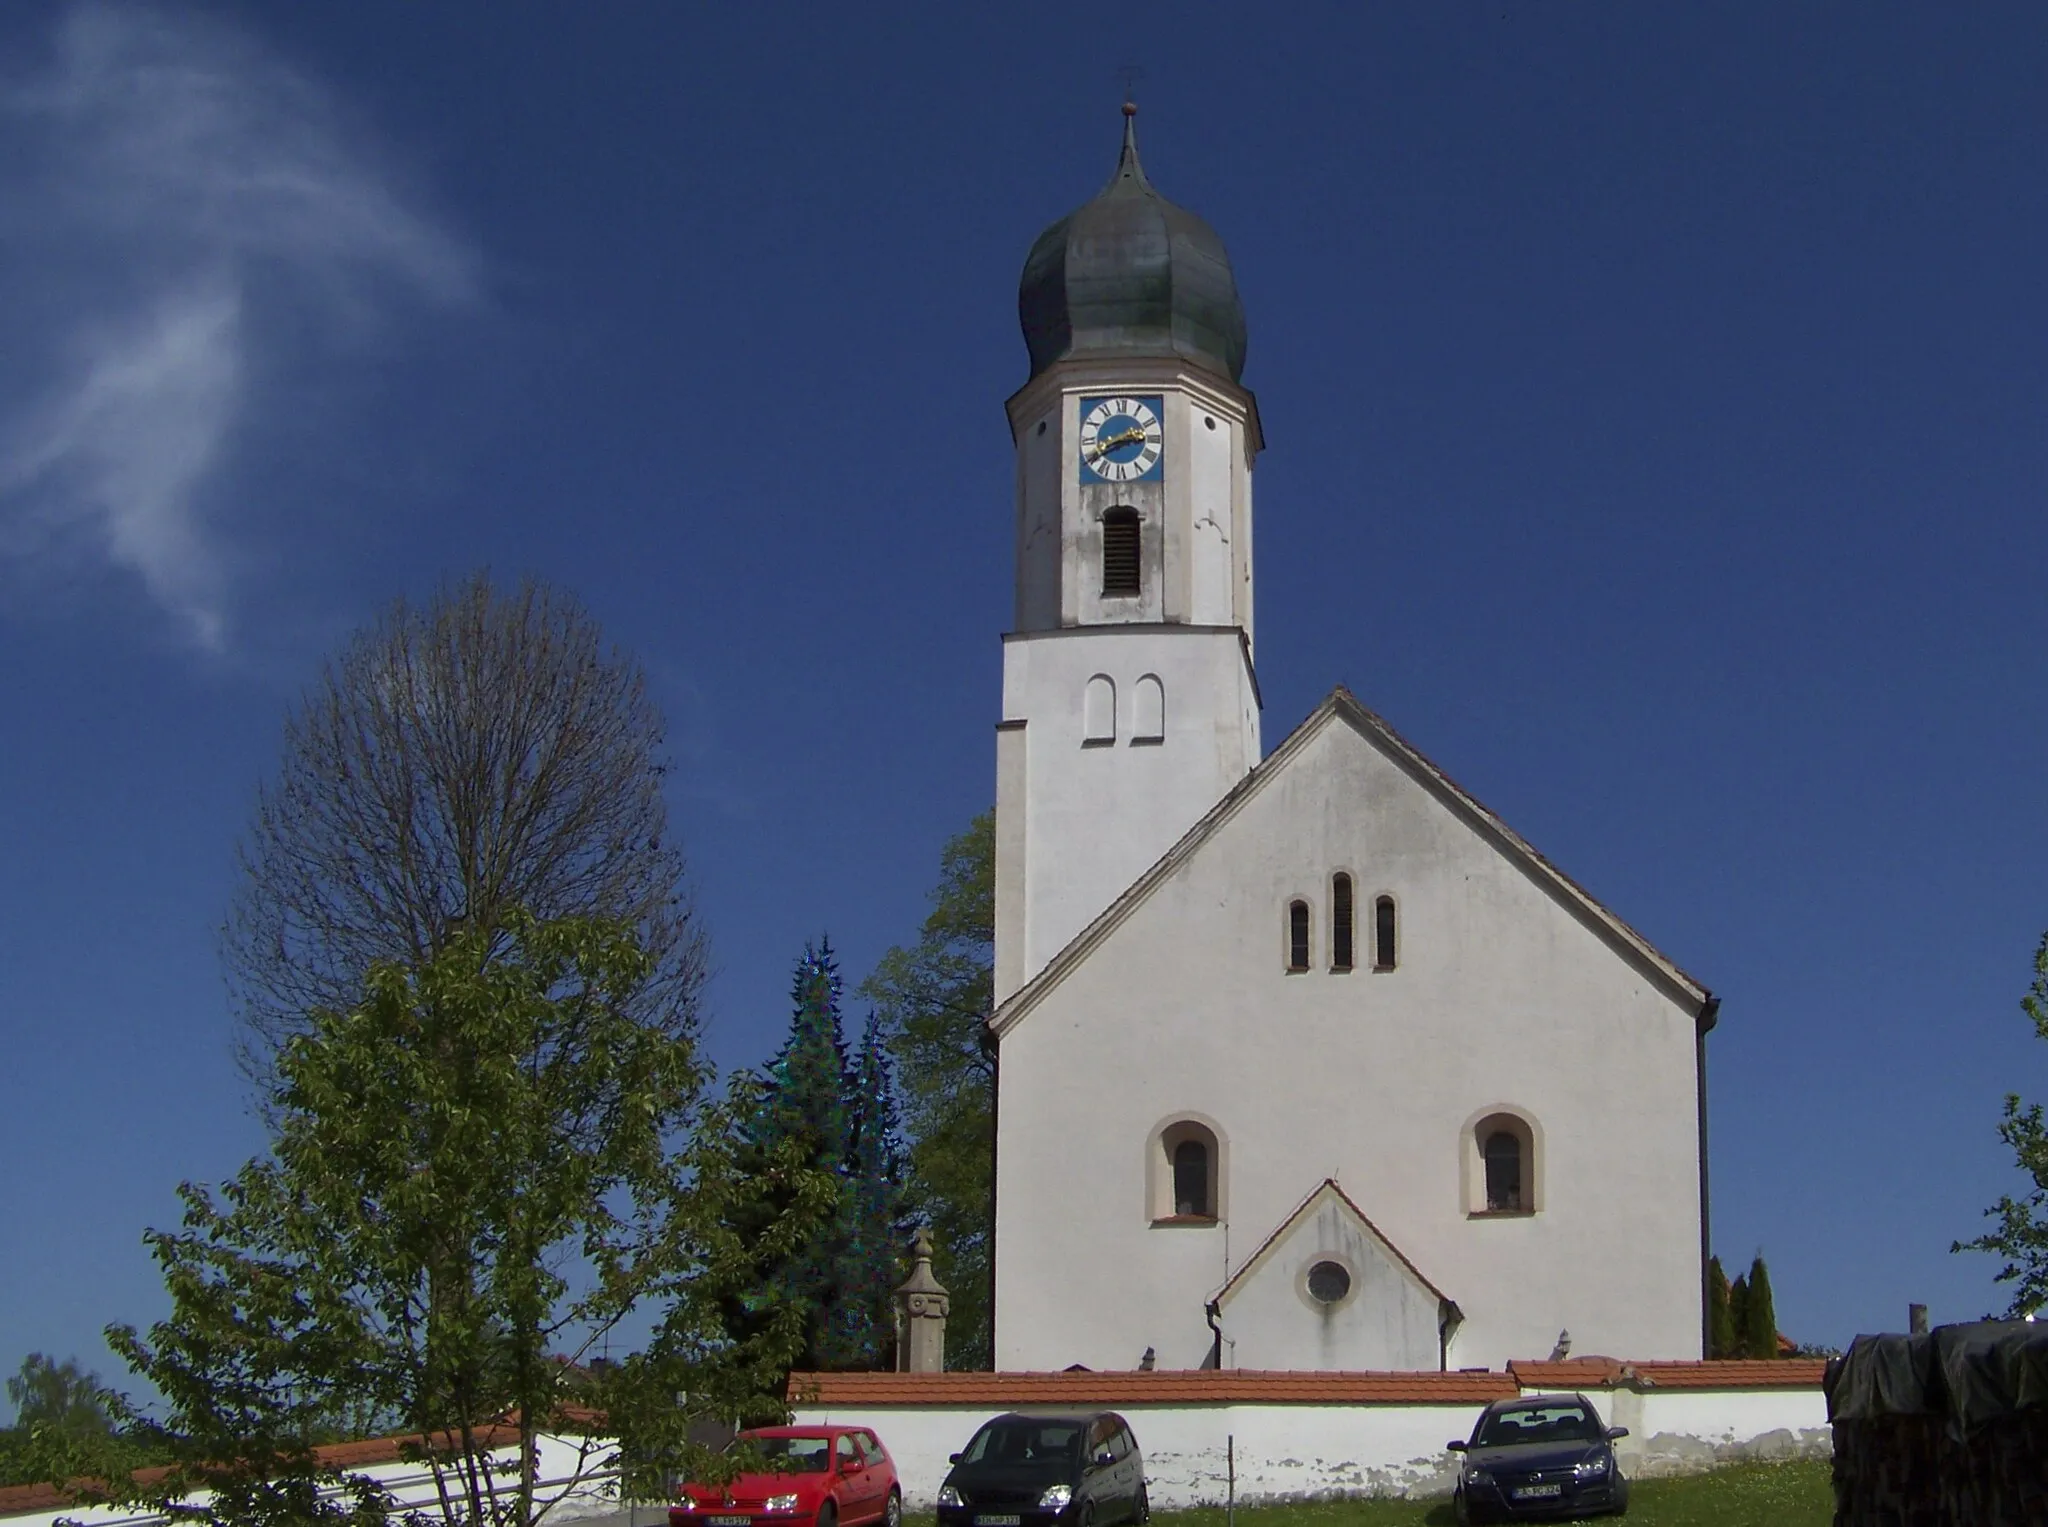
(1121, 439)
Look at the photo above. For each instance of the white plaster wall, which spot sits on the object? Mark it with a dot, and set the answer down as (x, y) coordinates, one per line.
(1504, 995)
(1282, 1450)
(1086, 821)
(1388, 1321)
(1677, 1431)
(1038, 519)
(1214, 517)
(1290, 1451)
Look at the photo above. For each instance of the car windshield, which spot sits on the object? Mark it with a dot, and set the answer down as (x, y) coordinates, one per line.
(1025, 1442)
(1538, 1423)
(799, 1455)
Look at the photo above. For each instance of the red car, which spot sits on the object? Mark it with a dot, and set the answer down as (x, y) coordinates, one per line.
(832, 1476)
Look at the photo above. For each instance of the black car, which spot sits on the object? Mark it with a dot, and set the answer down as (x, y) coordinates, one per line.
(1032, 1471)
(1542, 1456)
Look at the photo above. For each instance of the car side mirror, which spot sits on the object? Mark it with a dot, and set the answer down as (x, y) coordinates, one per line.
(1456, 1445)
(952, 1458)
(854, 1465)
(1104, 1459)
(1616, 1433)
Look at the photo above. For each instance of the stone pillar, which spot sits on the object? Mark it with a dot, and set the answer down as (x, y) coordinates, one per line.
(921, 1306)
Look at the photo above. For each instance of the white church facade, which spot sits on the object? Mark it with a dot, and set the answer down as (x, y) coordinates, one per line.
(1305, 1060)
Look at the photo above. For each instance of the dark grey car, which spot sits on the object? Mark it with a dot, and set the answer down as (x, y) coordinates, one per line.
(1033, 1471)
(1540, 1457)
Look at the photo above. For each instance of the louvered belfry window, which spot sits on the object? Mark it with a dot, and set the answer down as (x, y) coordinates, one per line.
(1120, 551)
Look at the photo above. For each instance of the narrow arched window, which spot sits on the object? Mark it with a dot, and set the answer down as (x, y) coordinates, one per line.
(1297, 935)
(1120, 551)
(1383, 933)
(1191, 1180)
(1340, 922)
(1148, 709)
(1503, 1155)
(1098, 710)
(1185, 1182)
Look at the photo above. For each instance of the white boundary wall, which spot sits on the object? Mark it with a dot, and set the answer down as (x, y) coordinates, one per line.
(578, 1474)
(1305, 1450)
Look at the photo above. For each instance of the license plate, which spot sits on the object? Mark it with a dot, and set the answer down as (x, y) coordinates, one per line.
(1533, 1492)
(730, 1521)
(1012, 1520)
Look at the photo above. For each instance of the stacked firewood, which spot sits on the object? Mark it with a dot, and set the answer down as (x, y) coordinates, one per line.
(1947, 1428)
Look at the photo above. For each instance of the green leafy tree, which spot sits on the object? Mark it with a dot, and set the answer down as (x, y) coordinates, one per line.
(2020, 1236)
(880, 1223)
(45, 1392)
(802, 1114)
(490, 1160)
(1757, 1335)
(1720, 1322)
(934, 999)
(67, 1424)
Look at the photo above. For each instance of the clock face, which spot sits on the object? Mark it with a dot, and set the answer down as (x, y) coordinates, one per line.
(1121, 439)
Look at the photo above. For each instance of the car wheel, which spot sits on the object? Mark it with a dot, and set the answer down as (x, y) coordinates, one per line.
(892, 1514)
(828, 1515)
(1141, 1509)
(1087, 1516)
(1460, 1509)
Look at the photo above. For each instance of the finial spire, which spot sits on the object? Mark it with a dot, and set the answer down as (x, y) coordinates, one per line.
(1127, 166)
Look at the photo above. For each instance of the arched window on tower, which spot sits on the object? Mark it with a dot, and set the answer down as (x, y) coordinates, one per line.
(1120, 543)
(1341, 922)
(1383, 933)
(1098, 710)
(1148, 710)
(1297, 936)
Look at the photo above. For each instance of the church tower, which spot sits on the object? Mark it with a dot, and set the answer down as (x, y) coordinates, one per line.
(1130, 705)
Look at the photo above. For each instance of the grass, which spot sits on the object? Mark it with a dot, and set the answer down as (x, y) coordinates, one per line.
(1741, 1495)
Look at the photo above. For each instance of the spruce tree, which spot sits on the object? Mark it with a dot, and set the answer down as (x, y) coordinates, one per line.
(879, 1221)
(1759, 1330)
(803, 1102)
(1720, 1325)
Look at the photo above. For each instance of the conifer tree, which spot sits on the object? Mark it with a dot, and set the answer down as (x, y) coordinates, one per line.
(1758, 1333)
(1720, 1325)
(1738, 1315)
(802, 1115)
(879, 1220)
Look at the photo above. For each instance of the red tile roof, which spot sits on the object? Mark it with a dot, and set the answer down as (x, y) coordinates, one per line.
(1721, 1373)
(1736, 1373)
(1250, 1386)
(1197, 1386)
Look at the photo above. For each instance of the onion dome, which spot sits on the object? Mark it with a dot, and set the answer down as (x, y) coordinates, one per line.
(1131, 274)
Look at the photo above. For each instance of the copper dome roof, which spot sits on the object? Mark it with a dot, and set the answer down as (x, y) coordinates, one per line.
(1130, 273)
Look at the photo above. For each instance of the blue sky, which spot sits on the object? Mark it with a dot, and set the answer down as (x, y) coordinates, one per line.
(1654, 400)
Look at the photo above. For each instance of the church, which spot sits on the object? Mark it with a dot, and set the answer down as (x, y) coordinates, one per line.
(1306, 1060)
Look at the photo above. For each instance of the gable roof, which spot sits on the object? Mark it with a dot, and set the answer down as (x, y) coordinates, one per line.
(1343, 706)
(1324, 1191)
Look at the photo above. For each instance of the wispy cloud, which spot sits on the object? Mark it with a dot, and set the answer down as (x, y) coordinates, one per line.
(188, 221)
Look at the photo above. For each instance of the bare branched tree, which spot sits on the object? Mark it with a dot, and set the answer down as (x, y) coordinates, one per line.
(482, 752)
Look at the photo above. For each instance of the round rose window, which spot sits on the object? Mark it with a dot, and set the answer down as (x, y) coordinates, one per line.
(1328, 1283)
